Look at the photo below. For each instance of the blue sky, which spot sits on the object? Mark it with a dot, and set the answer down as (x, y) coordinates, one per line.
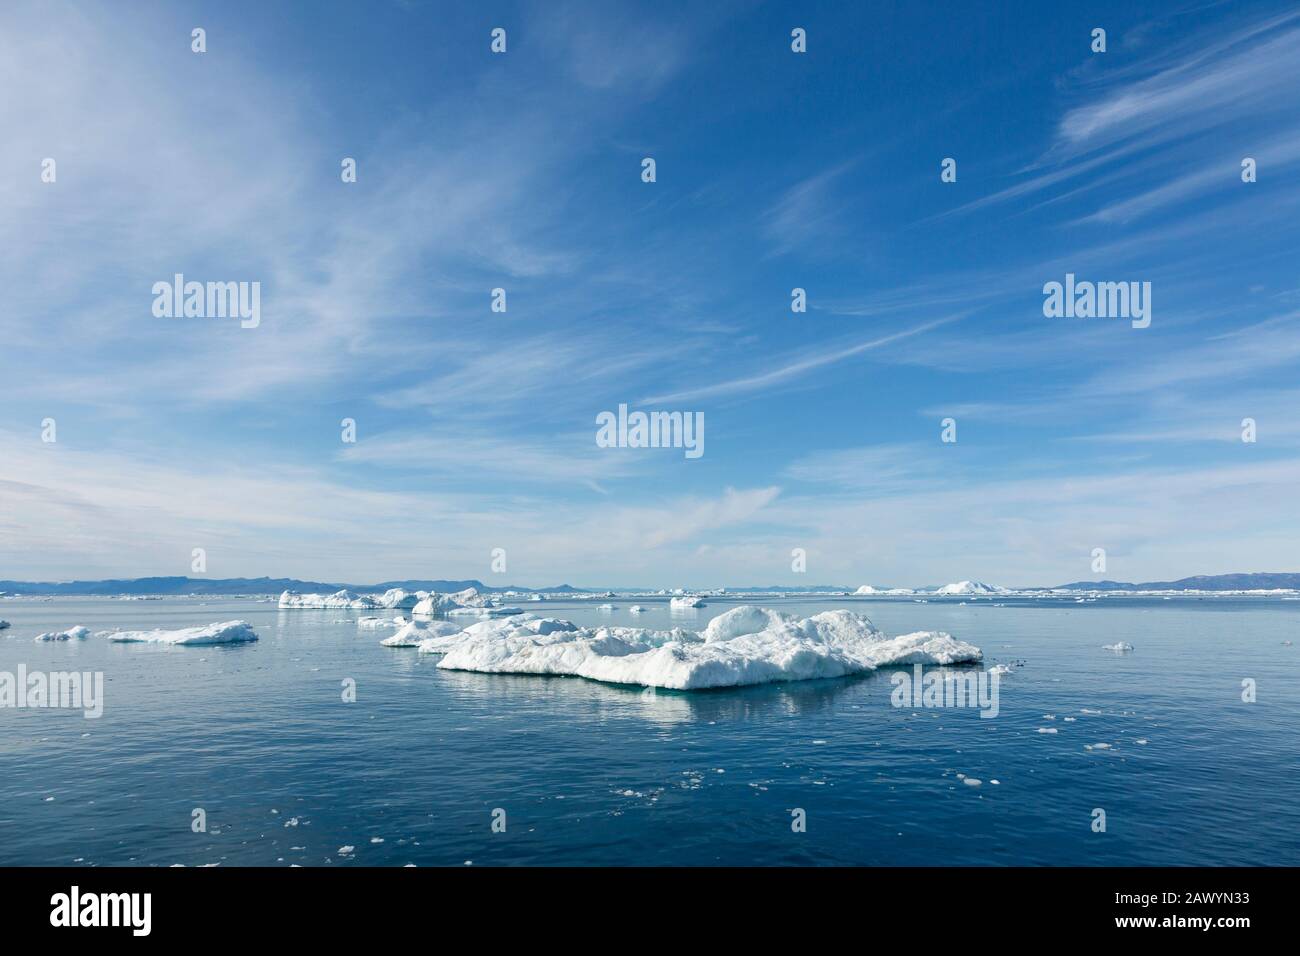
(775, 170)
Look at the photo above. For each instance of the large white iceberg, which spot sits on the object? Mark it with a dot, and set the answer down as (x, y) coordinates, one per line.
(433, 603)
(746, 645)
(470, 597)
(229, 632)
(971, 587)
(393, 598)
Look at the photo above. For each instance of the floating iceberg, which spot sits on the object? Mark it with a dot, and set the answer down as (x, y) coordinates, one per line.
(394, 598)
(470, 597)
(746, 645)
(230, 632)
(689, 601)
(71, 634)
(1122, 647)
(636, 609)
(971, 587)
(413, 633)
(432, 603)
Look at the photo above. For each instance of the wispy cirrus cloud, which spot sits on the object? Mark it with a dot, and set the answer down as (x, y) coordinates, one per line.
(789, 372)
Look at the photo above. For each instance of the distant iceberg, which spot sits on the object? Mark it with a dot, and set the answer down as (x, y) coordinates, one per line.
(375, 623)
(746, 645)
(867, 590)
(393, 598)
(490, 610)
(230, 632)
(71, 634)
(971, 587)
(466, 603)
(689, 601)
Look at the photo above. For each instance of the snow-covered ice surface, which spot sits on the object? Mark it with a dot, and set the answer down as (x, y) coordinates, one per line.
(746, 645)
(71, 634)
(229, 632)
(412, 633)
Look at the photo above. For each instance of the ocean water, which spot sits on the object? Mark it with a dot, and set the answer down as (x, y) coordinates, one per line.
(259, 737)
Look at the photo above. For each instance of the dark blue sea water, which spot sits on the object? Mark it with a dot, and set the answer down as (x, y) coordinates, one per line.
(260, 738)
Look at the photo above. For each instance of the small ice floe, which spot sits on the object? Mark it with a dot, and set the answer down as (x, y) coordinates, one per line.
(3, 624)
(1047, 730)
(972, 781)
(636, 609)
(689, 601)
(1098, 747)
(1002, 670)
(77, 633)
(1121, 647)
(607, 607)
(376, 839)
(1070, 720)
(229, 632)
(1090, 711)
(996, 783)
(1141, 740)
(347, 850)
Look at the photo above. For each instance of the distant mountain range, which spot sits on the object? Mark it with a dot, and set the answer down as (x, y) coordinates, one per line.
(246, 586)
(1201, 582)
(181, 585)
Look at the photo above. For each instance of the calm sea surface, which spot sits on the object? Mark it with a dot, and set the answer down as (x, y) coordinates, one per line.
(258, 736)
